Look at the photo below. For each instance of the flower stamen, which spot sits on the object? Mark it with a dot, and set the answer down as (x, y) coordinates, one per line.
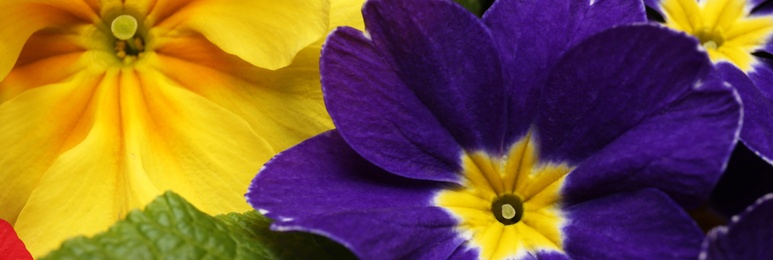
(124, 27)
(507, 209)
(710, 39)
(128, 45)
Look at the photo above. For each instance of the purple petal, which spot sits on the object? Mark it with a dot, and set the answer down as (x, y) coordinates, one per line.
(391, 127)
(637, 225)
(426, 85)
(636, 120)
(755, 3)
(599, 90)
(757, 132)
(447, 58)
(323, 176)
(605, 14)
(761, 9)
(653, 3)
(532, 35)
(426, 233)
(546, 255)
(748, 236)
(325, 187)
(762, 76)
(688, 144)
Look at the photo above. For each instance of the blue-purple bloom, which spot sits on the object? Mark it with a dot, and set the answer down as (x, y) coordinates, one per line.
(749, 235)
(537, 131)
(738, 36)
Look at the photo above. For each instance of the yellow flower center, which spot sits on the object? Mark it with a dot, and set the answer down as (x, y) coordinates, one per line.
(710, 40)
(509, 205)
(128, 45)
(124, 27)
(723, 27)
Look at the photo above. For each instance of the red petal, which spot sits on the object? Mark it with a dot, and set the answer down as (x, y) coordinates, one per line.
(11, 246)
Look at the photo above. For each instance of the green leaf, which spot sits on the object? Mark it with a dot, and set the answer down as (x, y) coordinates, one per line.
(286, 245)
(477, 7)
(473, 6)
(172, 228)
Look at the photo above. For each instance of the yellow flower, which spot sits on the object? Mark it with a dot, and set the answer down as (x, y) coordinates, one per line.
(95, 122)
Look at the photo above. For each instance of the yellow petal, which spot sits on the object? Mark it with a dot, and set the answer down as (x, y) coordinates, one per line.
(147, 135)
(190, 144)
(36, 127)
(84, 10)
(283, 106)
(160, 10)
(142, 7)
(265, 33)
(82, 188)
(346, 13)
(342, 13)
(20, 19)
(44, 60)
(684, 15)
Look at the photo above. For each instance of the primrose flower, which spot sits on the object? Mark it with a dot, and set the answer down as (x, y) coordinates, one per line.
(107, 104)
(440, 153)
(737, 35)
(748, 236)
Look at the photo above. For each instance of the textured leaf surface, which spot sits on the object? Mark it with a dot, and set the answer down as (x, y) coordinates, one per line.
(474, 6)
(170, 227)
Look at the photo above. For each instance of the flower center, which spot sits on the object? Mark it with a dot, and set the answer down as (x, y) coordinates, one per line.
(128, 45)
(124, 27)
(508, 205)
(710, 39)
(726, 28)
(507, 209)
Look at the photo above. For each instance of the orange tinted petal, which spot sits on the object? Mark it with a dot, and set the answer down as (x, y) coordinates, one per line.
(37, 125)
(283, 106)
(26, 18)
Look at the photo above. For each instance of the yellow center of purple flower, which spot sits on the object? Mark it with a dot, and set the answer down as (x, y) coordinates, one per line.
(724, 27)
(507, 209)
(508, 205)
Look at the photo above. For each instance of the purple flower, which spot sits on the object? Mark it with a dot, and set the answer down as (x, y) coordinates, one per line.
(737, 36)
(748, 236)
(534, 132)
